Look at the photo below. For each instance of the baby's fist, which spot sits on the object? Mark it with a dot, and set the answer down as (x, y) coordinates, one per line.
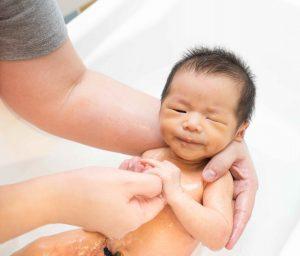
(168, 172)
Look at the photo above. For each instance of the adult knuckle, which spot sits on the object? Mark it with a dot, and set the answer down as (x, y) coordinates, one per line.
(133, 224)
(173, 174)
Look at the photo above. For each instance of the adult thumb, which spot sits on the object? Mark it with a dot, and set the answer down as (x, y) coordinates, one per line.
(219, 165)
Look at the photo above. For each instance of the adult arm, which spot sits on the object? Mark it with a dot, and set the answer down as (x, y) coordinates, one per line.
(57, 93)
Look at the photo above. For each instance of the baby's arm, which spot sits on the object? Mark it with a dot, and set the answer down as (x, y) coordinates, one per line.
(210, 223)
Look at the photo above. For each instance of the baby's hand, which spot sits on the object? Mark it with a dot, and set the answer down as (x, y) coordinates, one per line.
(168, 172)
(133, 164)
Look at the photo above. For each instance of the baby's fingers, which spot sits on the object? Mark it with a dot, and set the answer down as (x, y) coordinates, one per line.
(151, 162)
(134, 164)
(124, 165)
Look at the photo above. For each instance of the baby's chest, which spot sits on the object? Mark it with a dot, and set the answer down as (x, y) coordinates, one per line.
(192, 184)
(161, 232)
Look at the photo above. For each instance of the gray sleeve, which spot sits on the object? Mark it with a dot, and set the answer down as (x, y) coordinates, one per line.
(30, 28)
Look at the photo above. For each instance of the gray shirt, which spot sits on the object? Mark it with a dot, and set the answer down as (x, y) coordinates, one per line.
(30, 28)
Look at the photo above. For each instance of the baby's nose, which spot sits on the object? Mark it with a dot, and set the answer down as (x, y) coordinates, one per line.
(193, 122)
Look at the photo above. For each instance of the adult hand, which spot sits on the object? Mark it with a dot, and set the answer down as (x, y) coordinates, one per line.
(113, 202)
(170, 175)
(235, 157)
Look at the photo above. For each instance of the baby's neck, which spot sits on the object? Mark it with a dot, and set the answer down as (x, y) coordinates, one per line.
(180, 162)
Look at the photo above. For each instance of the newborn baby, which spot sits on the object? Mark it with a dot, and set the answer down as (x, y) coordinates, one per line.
(207, 103)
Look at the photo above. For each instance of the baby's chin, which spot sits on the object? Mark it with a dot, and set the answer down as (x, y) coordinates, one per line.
(190, 156)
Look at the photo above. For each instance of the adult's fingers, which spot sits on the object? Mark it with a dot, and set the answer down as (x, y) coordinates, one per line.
(242, 211)
(145, 185)
(150, 207)
(219, 164)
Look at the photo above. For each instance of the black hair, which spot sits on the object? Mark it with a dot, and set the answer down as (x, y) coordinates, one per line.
(219, 61)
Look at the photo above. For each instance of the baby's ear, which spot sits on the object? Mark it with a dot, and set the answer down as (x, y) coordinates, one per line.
(239, 136)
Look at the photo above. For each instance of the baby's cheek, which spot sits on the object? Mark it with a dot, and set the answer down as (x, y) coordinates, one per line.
(218, 143)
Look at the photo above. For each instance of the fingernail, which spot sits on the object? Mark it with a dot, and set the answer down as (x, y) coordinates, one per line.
(209, 174)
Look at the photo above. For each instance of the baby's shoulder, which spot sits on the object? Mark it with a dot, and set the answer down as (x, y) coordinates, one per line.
(156, 153)
(224, 183)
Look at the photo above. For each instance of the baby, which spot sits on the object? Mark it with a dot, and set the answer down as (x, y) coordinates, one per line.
(207, 103)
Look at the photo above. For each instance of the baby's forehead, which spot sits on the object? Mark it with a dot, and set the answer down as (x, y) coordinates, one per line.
(200, 83)
(211, 91)
(182, 74)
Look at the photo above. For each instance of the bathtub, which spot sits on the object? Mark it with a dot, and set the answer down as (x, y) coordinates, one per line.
(137, 42)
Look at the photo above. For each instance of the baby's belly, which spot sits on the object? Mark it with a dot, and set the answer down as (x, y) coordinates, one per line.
(163, 236)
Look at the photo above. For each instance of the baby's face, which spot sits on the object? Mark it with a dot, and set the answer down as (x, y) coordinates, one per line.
(198, 116)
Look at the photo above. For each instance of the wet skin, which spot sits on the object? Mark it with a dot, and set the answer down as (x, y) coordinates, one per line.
(151, 239)
(197, 120)
(157, 236)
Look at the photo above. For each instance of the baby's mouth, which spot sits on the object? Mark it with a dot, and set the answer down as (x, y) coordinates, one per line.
(189, 140)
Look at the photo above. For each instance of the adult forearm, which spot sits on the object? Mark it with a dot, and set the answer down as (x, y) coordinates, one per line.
(58, 94)
(26, 206)
(97, 111)
(203, 224)
(104, 113)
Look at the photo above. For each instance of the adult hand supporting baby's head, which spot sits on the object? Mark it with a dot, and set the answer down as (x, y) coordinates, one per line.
(235, 157)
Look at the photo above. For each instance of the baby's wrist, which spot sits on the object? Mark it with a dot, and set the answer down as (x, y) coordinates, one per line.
(175, 196)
